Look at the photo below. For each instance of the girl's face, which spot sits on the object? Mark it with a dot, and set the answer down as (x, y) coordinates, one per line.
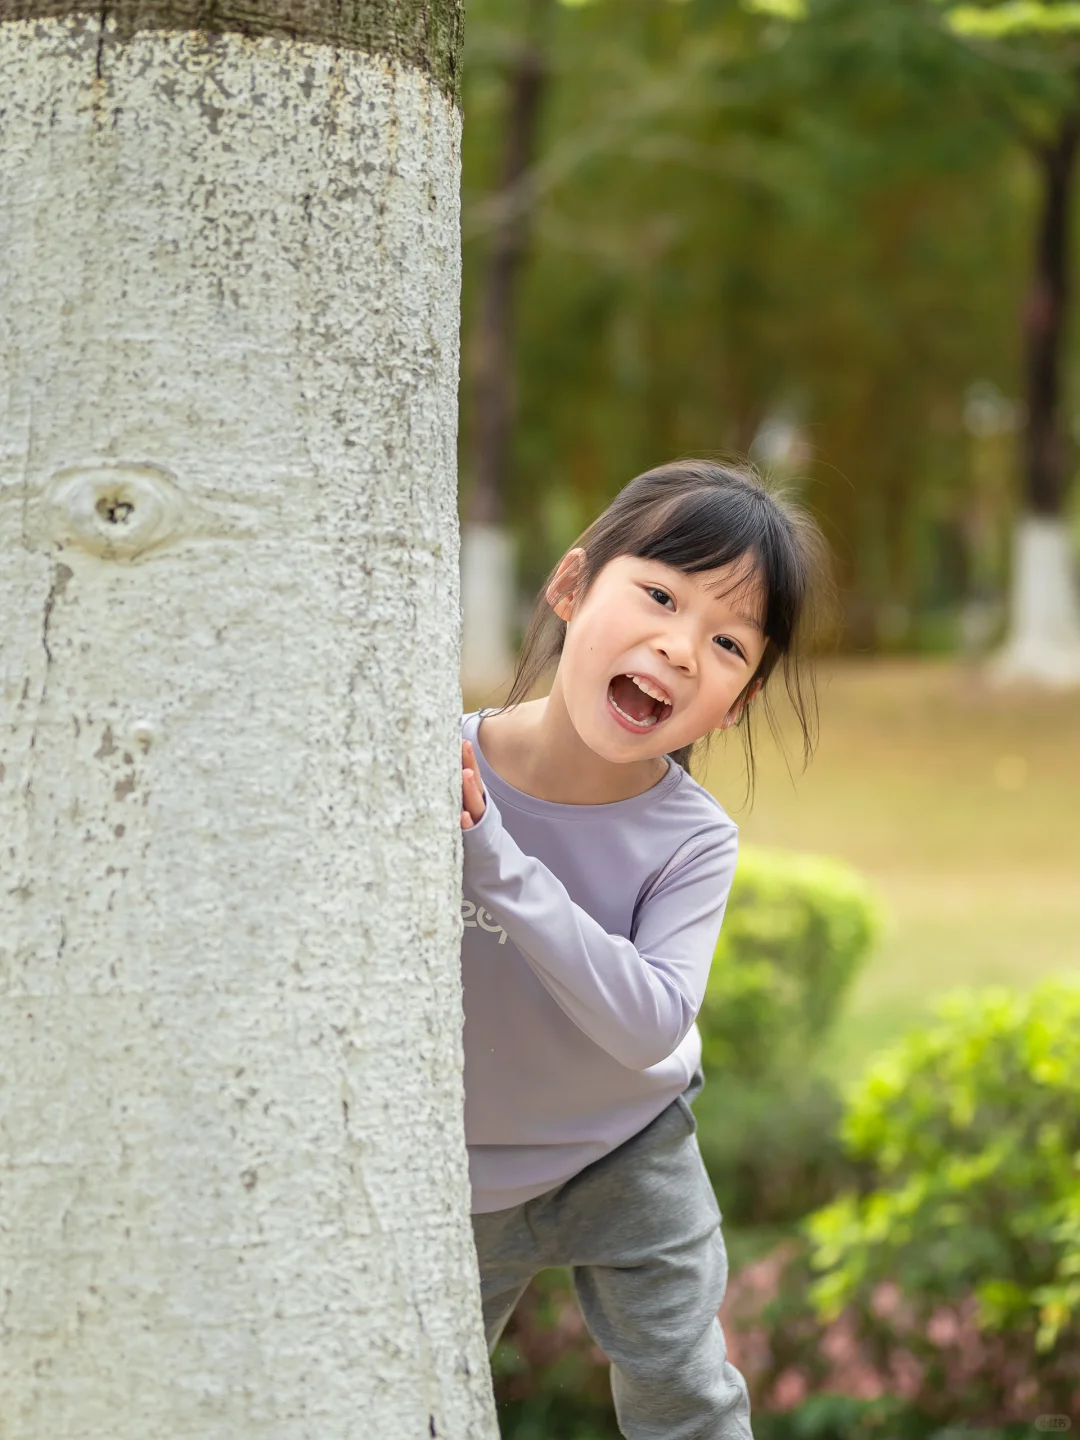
(648, 619)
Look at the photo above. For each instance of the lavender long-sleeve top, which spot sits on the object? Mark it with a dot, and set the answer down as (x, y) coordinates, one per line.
(589, 931)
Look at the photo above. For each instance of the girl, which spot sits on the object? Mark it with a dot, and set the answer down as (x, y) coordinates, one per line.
(596, 871)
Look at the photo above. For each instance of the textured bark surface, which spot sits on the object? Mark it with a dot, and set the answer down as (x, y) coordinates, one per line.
(234, 1189)
(425, 35)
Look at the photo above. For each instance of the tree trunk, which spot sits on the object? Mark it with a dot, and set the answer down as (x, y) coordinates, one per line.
(1044, 326)
(487, 548)
(235, 1201)
(1043, 643)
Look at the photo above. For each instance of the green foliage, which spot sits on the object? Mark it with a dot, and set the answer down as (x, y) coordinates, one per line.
(771, 1147)
(736, 213)
(973, 1130)
(1014, 18)
(835, 1416)
(784, 9)
(796, 931)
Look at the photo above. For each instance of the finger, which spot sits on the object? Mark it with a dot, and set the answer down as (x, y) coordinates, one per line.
(466, 820)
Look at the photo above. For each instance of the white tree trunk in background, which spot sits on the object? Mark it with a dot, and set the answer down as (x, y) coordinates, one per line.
(233, 1195)
(488, 608)
(1043, 641)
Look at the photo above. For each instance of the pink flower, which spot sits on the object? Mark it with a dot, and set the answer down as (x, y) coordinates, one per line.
(839, 1343)
(790, 1390)
(908, 1374)
(943, 1328)
(885, 1301)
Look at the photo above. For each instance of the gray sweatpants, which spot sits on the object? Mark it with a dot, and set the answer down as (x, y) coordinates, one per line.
(640, 1231)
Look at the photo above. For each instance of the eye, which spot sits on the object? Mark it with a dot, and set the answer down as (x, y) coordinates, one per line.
(726, 641)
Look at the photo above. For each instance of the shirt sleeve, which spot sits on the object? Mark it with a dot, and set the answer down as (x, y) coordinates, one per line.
(637, 999)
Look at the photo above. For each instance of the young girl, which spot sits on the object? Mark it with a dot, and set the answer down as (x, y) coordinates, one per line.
(595, 878)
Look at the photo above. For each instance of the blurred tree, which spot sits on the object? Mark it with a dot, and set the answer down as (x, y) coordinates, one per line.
(737, 220)
(1017, 65)
(901, 140)
(487, 564)
(1044, 633)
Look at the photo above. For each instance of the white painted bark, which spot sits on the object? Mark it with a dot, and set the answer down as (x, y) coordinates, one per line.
(233, 1196)
(488, 609)
(1042, 645)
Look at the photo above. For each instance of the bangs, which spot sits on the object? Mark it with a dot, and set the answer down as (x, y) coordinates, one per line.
(697, 515)
(712, 528)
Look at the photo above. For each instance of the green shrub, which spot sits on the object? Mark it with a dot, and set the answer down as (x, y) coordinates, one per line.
(842, 1417)
(772, 1147)
(873, 1371)
(796, 931)
(973, 1214)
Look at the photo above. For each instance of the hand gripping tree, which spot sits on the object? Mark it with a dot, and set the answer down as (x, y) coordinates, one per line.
(233, 1195)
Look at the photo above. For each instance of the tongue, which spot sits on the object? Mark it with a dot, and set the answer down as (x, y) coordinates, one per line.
(630, 700)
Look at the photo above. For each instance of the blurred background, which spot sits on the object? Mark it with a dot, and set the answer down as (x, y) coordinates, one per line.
(835, 237)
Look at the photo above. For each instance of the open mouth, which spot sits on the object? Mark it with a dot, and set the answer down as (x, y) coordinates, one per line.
(638, 710)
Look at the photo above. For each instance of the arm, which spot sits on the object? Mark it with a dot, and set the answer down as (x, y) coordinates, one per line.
(636, 999)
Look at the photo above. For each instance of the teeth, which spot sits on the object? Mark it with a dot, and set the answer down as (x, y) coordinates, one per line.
(648, 689)
(641, 724)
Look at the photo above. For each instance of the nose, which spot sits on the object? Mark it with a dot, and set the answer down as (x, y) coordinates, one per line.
(677, 648)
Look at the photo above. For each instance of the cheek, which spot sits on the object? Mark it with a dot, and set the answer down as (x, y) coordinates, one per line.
(722, 694)
(579, 664)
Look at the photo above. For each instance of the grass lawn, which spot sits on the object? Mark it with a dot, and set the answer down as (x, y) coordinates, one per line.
(960, 804)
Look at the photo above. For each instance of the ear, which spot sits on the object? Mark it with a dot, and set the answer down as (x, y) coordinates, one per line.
(735, 714)
(569, 564)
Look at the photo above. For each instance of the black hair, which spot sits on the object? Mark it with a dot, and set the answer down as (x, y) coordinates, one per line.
(697, 515)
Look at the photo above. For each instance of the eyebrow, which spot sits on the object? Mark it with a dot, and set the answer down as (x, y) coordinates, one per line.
(751, 620)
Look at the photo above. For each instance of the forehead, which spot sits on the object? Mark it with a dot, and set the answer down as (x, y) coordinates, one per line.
(740, 581)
